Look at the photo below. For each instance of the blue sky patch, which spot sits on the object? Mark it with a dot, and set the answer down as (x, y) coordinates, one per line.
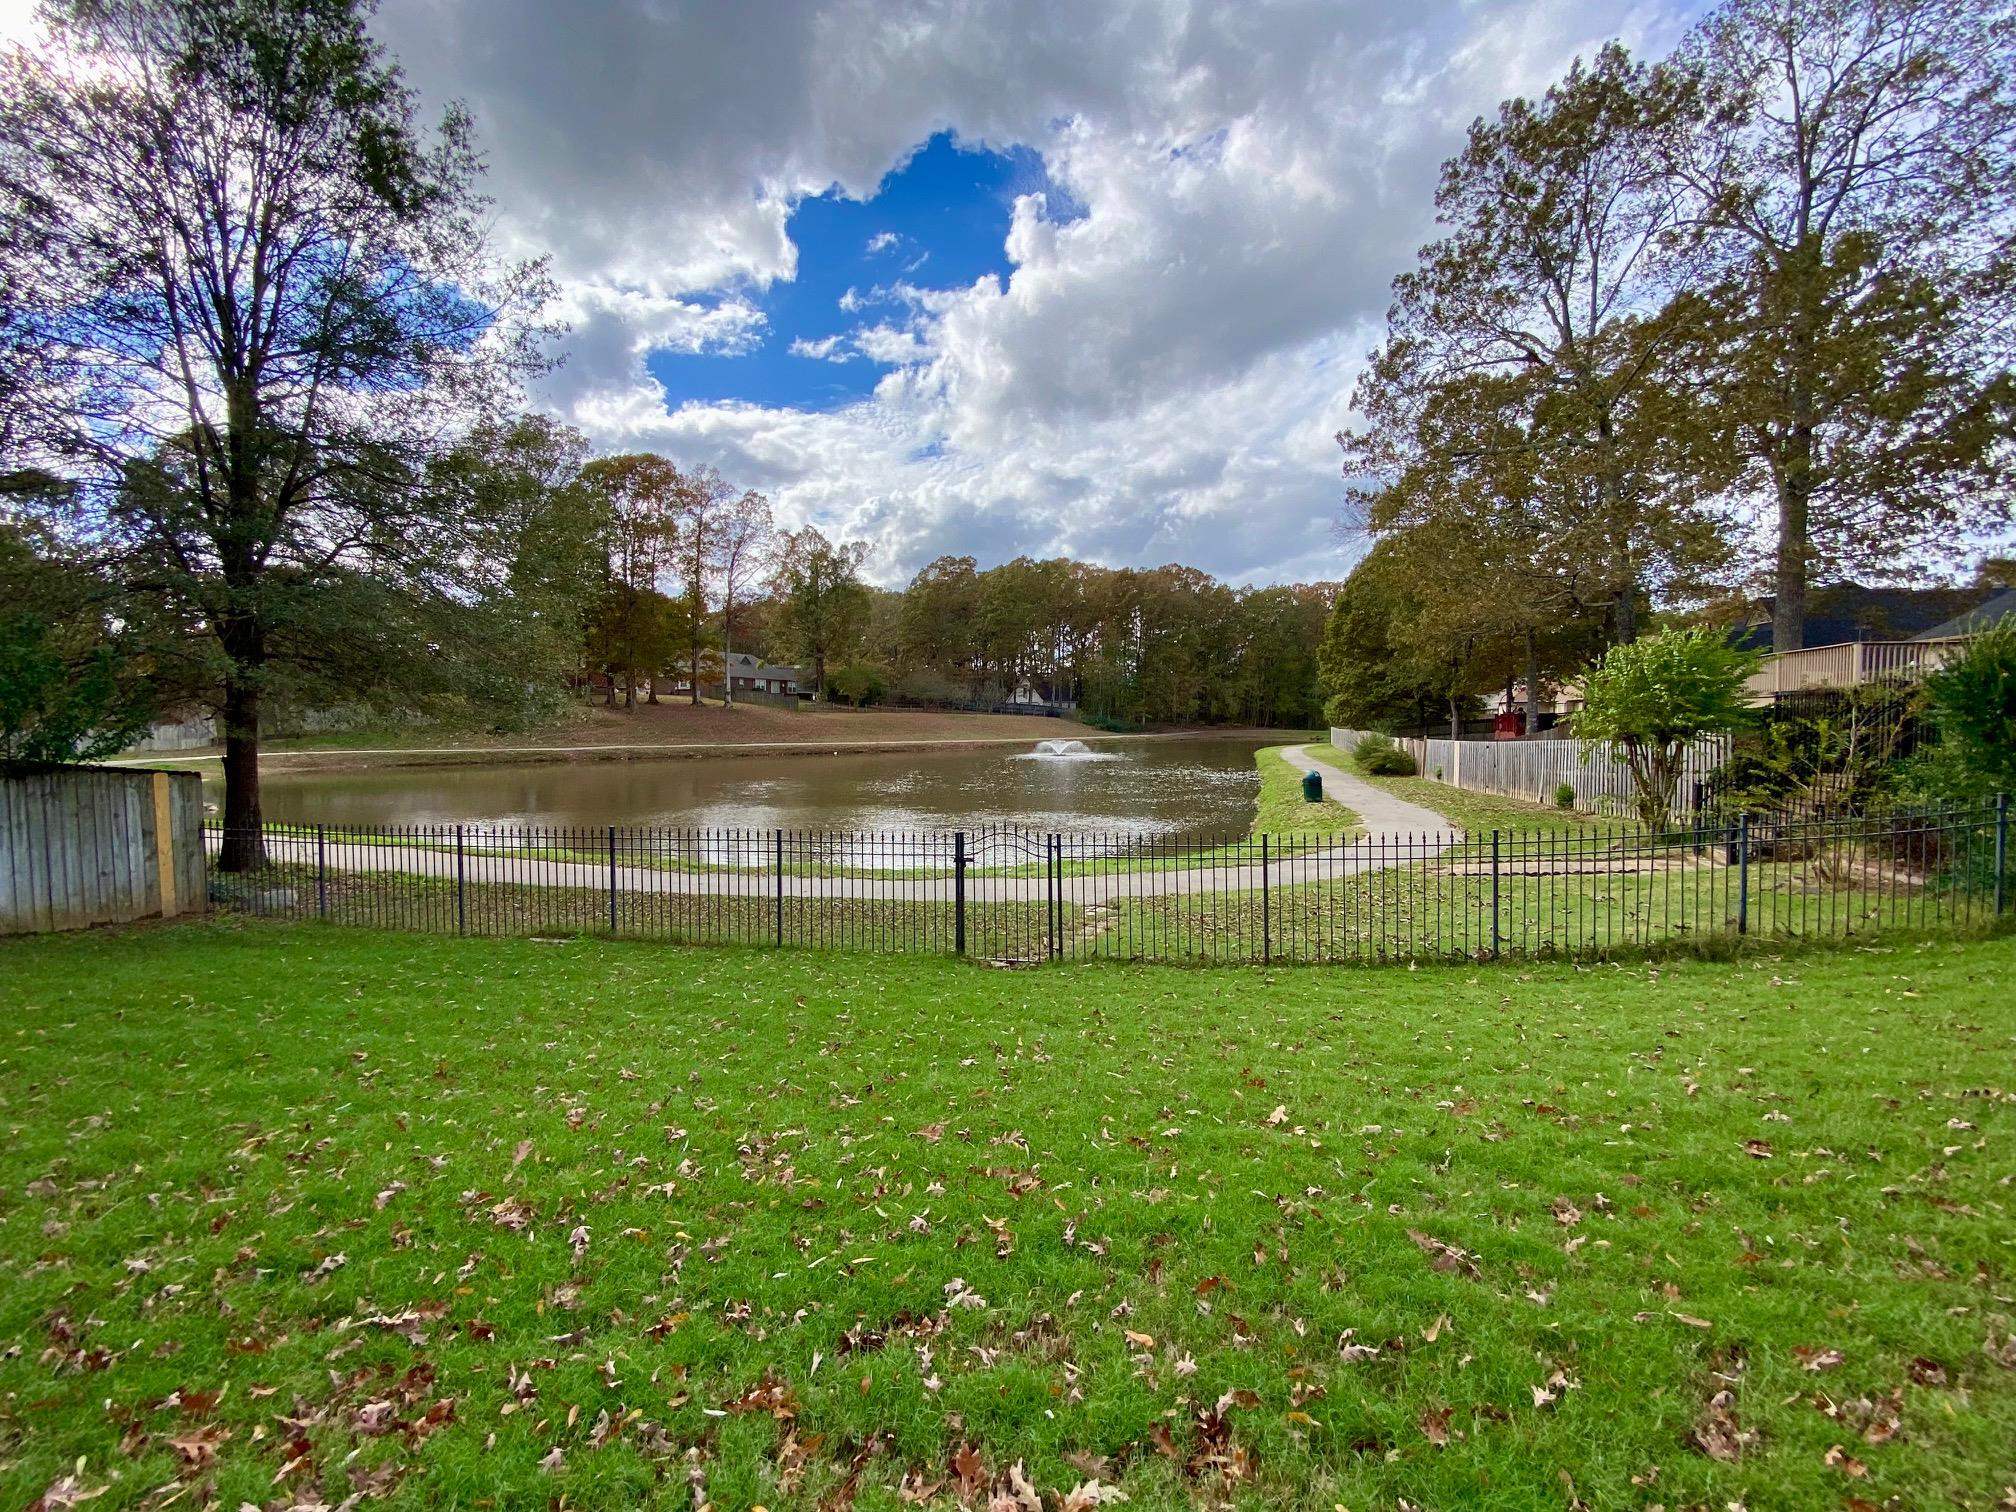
(936, 222)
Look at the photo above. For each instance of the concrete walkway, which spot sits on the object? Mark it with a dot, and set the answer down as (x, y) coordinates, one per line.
(1385, 816)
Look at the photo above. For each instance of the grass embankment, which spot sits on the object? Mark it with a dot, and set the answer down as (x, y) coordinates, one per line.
(294, 1214)
(1478, 813)
(1280, 809)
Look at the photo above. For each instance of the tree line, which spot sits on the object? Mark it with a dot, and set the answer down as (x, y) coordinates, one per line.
(1735, 321)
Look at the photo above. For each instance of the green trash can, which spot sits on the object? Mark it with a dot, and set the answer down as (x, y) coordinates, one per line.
(1312, 787)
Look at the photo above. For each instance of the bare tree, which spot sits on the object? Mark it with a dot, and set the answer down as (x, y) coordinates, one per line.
(700, 510)
(747, 536)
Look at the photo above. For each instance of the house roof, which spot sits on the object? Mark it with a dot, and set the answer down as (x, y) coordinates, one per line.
(1850, 612)
(1980, 617)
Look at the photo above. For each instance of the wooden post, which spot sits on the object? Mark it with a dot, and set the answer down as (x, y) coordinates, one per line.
(164, 846)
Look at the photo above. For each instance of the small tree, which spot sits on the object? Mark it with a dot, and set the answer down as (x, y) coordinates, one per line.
(1648, 700)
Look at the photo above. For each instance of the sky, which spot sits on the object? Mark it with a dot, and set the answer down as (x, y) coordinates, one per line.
(987, 277)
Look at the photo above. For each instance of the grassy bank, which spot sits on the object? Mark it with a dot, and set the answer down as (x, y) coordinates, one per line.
(294, 1213)
(1478, 813)
(1280, 810)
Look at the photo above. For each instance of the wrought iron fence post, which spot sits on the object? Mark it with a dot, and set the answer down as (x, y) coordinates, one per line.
(1053, 908)
(959, 892)
(2001, 853)
(1494, 895)
(612, 879)
(780, 888)
(1266, 907)
(1743, 874)
(461, 901)
(321, 872)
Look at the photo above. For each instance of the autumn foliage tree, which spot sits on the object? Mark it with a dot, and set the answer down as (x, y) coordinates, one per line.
(1848, 170)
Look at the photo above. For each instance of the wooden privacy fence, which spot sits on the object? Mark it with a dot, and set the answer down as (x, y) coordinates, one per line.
(99, 845)
(1533, 769)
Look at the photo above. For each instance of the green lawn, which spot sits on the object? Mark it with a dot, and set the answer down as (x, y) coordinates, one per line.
(290, 1213)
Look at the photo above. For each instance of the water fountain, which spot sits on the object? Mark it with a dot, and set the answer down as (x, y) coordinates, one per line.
(1065, 750)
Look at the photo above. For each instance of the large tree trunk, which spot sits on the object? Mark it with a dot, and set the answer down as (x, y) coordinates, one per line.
(693, 664)
(244, 843)
(1795, 491)
(1532, 686)
(728, 654)
(1455, 717)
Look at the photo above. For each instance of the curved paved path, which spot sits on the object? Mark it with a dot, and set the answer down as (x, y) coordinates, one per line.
(1385, 816)
(1398, 834)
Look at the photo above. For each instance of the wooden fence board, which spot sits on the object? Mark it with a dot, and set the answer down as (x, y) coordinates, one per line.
(88, 845)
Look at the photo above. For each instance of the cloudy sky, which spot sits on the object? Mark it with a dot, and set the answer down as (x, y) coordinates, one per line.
(1087, 277)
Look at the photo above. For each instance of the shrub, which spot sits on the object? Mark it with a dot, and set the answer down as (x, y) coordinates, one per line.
(1974, 706)
(1564, 796)
(1840, 747)
(1377, 756)
(1648, 700)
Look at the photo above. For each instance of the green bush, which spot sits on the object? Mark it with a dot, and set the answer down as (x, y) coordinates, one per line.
(1974, 706)
(1377, 756)
(1649, 699)
(1564, 796)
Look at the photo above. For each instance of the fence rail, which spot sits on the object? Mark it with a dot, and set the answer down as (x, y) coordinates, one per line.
(1849, 663)
(1023, 895)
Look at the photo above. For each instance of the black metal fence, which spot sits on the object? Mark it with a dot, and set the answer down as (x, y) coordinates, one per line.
(1019, 895)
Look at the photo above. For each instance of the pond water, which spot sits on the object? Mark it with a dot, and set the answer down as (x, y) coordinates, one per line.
(1187, 787)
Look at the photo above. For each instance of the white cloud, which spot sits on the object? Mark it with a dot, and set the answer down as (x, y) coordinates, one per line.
(882, 241)
(1159, 377)
(826, 349)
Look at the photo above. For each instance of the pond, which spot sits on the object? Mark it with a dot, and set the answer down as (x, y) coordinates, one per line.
(1179, 788)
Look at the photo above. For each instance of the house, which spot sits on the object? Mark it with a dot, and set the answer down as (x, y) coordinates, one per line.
(751, 674)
